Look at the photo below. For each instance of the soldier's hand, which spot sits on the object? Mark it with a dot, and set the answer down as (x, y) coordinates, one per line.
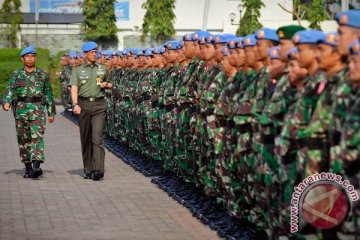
(103, 85)
(6, 106)
(77, 109)
(51, 119)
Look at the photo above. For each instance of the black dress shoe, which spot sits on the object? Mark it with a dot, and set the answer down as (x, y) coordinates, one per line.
(96, 175)
(87, 175)
(36, 173)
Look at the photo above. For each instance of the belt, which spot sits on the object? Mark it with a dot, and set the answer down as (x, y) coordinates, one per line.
(245, 128)
(169, 107)
(267, 138)
(91, 99)
(29, 99)
(312, 143)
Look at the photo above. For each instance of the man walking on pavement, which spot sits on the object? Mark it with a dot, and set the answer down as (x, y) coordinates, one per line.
(88, 82)
(29, 92)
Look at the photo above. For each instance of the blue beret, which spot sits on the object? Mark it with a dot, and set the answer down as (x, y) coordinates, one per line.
(222, 38)
(329, 39)
(173, 45)
(98, 55)
(225, 51)
(73, 54)
(28, 50)
(199, 34)
(249, 40)
(354, 48)
(293, 53)
(266, 33)
(234, 42)
(119, 53)
(188, 37)
(88, 46)
(349, 18)
(274, 52)
(307, 37)
(159, 50)
(127, 52)
(148, 52)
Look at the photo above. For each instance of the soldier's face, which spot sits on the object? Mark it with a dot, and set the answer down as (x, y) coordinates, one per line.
(218, 54)
(29, 60)
(207, 51)
(196, 49)
(226, 66)
(91, 56)
(250, 56)
(296, 73)
(171, 56)
(354, 66)
(276, 68)
(261, 49)
(327, 56)
(308, 53)
(188, 49)
(233, 56)
(285, 45)
(240, 60)
(345, 37)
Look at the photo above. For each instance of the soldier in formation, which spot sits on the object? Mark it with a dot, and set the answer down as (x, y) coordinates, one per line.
(245, 119)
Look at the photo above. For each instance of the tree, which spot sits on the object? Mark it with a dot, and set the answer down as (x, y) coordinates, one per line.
(11, 15)
(313, 11)
(249, 23)
(158, 20)
(316, 14)
(99, 22)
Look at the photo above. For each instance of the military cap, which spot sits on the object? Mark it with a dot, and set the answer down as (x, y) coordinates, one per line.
(293, 53)
(188, 37)
(329, 39)
(354, 48)
(288, 32)
(28, 50)
(159, 50)
(119, 53)
(148, 52)
(225, 51)
(239, 42)
(199, 34)
(88, 46)
(98, 55)
(349, 18)
(127, 52)
(109, 53)
(249, 40)
(266, 33)
(308, 37)
(222, 38)
(274, 52)
(173, 45)
(73, 54)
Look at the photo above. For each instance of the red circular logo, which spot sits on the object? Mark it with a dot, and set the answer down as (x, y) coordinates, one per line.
(325, 206)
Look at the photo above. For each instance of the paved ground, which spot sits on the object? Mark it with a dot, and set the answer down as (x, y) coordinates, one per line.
(62, 205)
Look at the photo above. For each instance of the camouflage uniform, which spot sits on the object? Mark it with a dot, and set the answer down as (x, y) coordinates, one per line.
(31, 95)
(64, 84)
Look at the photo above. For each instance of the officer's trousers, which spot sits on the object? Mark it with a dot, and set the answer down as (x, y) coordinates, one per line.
(92, 120)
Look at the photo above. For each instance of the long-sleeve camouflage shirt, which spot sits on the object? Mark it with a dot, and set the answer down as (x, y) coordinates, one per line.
(35, 84)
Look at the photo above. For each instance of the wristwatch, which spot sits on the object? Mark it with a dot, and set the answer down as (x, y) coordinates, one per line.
(74, 104)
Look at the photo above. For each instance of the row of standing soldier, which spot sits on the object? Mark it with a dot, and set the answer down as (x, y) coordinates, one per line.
(243, 118)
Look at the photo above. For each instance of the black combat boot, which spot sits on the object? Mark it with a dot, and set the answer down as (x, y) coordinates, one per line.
(28, 170)
(37, 171)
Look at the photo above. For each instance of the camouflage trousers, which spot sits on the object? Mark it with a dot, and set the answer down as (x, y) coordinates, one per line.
(123, 121)
(183, 147)
(30, 139)
(167, 132)
(65, 93)
(154, 133)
